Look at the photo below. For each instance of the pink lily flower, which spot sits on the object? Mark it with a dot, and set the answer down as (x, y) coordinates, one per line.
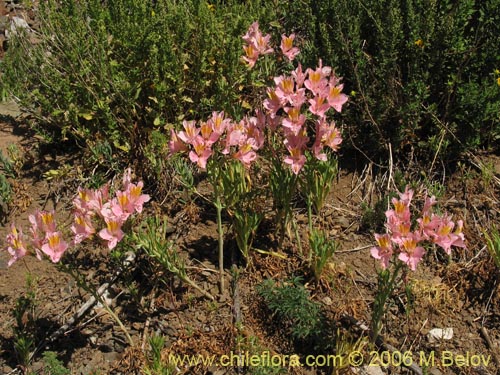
(319, 106)
(201, 153)
(411, 253)
(190, 132)
(175, 144)
(251, 55)
(273, 103)
(98, 203)
(82, 200)
(82, 228)
(335, 97)
(295, 145)
(295, 120)
(331, 137)
(55, 246)
(113, 232)
(383, 251)
(299, 76)
(15, 244)
(246, 153)
(289, 51)
(445, 238)
(285, 89)
(218, 122)
(317, 81)
(137, 199)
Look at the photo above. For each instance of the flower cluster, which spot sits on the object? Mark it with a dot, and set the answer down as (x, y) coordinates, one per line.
(240, 140)
(256, 45)
(114, 212)
(404, 242)
(316, 91)
(45, 237)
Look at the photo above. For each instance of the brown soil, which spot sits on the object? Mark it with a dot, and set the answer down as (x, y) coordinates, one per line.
(459, 293)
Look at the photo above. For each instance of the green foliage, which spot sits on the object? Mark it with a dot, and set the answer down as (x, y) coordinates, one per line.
(493, 244)
(25, 328)
(53, 366)
(155, 365)
(422, 74)
(291, 303)
(318, 180)
(115, 71)
(5, 195)
(322, 250)
(253, 346)
(152, 240)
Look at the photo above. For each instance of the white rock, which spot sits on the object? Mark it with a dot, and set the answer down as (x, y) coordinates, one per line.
(16, 23)
(368, 370)
(438, 334)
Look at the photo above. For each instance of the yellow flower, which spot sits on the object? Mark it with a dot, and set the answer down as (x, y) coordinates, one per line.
(419, 43)
(498, 81)
(496, 71)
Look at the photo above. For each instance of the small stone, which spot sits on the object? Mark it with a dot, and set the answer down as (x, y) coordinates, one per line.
(438, 334)
(435, 371)
(111, 357)
(327, 301)
(368, 370)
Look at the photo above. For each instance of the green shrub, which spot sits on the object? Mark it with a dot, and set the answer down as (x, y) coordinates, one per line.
(112, 72)
(422, 73)
(292, 305)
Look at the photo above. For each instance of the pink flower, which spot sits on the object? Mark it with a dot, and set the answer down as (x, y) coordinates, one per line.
(384, 249)
(99, 200)
(299, 76)
(273, 103)
(287, 46)
(246, 154)
(113, 232)
(83, 199)
(445, 238)
(252, 31)
(295, 145)
(127, 178)
(175, 144)
(201, 153)
(411, 253)
(55, 246)
(256, 44)
(82, 227)
(137, 199)
(190, 132)
(44, 220)
(218, 122)
(120, 206)
(331, 137)
(319, 106)
(317, 79)
(295, 120)
(251, 55)
(15, 244)
(335, 97)
(285, 89)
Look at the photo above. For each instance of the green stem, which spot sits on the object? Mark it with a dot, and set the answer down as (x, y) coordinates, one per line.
(386, 288)
(309, 222)
(218, 206)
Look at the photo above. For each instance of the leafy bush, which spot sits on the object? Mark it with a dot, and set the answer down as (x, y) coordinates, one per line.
(293, 306)
(423, 74)
(112, 72)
